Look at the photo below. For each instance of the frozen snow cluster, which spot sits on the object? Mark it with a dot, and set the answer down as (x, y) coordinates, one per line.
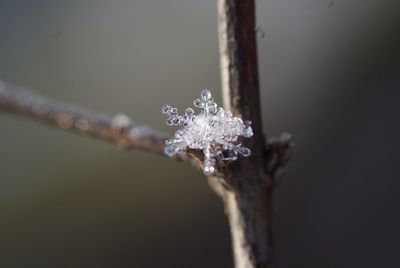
(214, 131)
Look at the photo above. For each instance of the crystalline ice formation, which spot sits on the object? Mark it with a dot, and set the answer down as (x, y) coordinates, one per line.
(214, 131)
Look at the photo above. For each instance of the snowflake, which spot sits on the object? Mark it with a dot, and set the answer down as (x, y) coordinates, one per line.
(214, 131)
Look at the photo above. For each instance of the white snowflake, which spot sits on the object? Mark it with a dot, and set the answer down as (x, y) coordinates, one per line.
(214, 131)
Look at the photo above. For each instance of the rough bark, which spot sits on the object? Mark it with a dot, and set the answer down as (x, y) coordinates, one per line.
(247, 184)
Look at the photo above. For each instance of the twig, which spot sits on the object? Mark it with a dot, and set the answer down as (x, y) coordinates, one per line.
(117, 130)
(247, 187)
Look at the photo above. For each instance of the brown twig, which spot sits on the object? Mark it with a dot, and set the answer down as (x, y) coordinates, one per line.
(247, 184)
(117, 130)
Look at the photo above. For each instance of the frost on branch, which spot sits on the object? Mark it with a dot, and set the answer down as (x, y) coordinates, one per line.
(214, 131)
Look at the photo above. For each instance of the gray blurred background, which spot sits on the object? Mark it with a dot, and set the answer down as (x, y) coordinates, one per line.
(330, 75)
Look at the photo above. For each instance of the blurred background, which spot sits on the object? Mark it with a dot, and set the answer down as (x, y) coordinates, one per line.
(330, 75)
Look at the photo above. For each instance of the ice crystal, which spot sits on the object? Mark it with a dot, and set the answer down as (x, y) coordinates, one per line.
(214, 131)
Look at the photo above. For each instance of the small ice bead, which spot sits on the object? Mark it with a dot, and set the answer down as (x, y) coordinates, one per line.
(244, 151)
(198, 103)
(166, 109)
(176, 121)
(208, 167)
(169, 121)
(213, 108)
(189, 112)
(179, 134)
(208, 170)
(169, 142)
(170, 150)
(205, 94)
(248, 132)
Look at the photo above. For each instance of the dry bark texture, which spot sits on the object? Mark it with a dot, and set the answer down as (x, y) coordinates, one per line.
(248, 195)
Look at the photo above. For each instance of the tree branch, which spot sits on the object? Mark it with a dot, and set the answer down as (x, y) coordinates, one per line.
(246, 186)
(238, 61)
(117, 130)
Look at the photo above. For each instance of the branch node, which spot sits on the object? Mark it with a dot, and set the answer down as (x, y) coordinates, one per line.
(280, 150)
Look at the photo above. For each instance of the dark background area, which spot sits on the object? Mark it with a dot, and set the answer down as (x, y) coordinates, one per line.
(329, 75)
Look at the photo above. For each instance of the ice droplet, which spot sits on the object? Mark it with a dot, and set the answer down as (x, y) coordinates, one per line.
(169, 121)
(244, 151)
(205, 94)
(168, 142)
(166, 109)
(179, 134)
(209, 168)
(170, 150)
(198, 103)
(248, 132)
(176, 121)
(189, 112)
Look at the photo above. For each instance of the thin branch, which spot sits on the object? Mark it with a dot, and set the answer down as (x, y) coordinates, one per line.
(117, 130)
(239, 65)
(247, 188)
